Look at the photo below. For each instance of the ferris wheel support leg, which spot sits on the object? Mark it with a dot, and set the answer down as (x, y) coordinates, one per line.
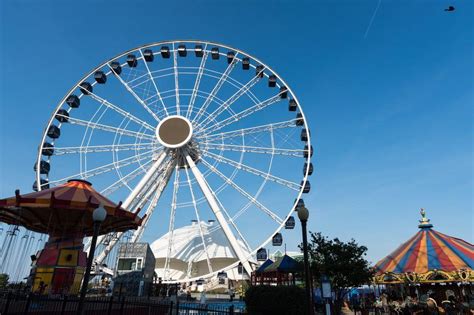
(131, 197)
(145, 179)
(163, 182)
(219, 215)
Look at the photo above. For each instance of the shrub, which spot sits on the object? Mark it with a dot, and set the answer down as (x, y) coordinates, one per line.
(3, 280)
(266, 300)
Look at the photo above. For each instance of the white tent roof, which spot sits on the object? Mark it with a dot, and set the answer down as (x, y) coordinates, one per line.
(187, 243)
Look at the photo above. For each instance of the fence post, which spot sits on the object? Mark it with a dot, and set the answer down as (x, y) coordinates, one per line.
(111, 303)
(63, 308)
(231, 310)
(27, 305)
(9, 296)
(122, 305)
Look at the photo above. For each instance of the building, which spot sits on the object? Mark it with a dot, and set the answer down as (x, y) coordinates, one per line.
(135, 269)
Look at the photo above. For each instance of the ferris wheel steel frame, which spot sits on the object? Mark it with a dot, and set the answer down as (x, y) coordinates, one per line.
(156, 178)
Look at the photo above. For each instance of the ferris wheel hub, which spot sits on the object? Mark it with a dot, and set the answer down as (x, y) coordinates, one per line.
(174, 131)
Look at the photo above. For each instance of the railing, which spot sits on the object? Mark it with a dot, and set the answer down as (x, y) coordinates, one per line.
(15, 304)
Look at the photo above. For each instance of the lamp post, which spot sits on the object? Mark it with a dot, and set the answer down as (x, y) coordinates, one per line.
(98, 216)
(303, 215)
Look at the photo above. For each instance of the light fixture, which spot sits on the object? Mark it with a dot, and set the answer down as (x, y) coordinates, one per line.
(303, 214)
(99, 214)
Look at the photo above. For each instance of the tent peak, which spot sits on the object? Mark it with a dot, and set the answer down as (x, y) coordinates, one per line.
(80, 180)
(424, 222)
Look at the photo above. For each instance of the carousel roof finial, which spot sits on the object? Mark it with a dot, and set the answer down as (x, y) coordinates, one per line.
(424, 222)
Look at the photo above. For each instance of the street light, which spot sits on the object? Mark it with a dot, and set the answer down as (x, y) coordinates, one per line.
(303, 215)
(98, 216)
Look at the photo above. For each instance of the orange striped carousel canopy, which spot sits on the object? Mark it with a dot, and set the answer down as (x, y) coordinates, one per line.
(66, 210)
(428, 251)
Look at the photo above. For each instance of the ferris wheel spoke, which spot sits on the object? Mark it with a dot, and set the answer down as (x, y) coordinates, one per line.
(197, 82)
(172, 219)
(121, 111)
(270, 213)
(176, 79)
(121, 131)
(219, 215)
(124, 180)
(154, 83)
(198, 220)
(251, 149)
(231, 100)
(106, 168)
(231, 221)
(105, 148)
(215, 90)
(248, 131)
(242, 114)
(139, 100)
(249, 169)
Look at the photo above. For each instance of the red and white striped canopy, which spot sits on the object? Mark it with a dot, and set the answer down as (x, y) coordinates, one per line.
(65, 210)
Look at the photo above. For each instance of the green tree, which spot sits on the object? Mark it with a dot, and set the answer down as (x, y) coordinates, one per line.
(3, 280)
(343, 262)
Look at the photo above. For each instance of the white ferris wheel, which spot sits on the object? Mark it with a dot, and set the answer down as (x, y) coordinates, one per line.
(187, 131)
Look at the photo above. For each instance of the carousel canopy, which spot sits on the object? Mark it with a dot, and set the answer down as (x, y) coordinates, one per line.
(428, 251)
(65, 210)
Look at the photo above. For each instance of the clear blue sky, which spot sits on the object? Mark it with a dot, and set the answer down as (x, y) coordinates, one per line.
(390, 105)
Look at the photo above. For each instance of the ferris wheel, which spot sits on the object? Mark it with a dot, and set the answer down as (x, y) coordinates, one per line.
(186, 131)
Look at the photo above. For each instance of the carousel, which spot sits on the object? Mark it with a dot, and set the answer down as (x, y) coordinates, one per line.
(65, 214)
(428, 261)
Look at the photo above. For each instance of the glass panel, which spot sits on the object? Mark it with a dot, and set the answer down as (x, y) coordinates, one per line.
(126, 264)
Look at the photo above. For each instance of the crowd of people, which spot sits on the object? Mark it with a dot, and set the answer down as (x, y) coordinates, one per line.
(410, 304)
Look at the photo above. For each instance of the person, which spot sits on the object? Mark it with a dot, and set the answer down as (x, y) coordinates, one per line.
(384, 300)
(378, 306)
(449, 306)
(41, 288)
(231, 294)
(432, 305)
(203, 297)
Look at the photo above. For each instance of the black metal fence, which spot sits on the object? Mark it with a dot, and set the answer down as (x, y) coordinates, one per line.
(15, 304)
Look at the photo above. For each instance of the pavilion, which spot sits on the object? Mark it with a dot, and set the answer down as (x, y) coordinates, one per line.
(283, 271)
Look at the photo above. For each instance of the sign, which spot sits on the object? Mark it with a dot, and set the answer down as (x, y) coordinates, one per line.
(326, 287)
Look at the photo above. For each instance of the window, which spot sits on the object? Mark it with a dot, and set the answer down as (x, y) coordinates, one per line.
(130, 264)
(126, 264)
